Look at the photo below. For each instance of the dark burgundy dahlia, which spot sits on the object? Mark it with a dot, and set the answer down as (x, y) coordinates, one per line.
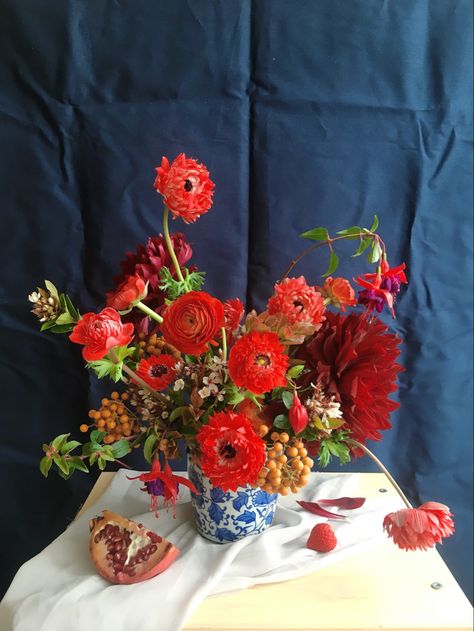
(355, 360)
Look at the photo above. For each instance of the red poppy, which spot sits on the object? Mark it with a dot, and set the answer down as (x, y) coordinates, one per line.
(185, 186)
(129, 292)
(158, 371)
(419, 528)
(99, 332)
(258, 362)
(232, 453)
(192, 321)
(297, 301)
(381, 288)
(163, 483)
(338, 292)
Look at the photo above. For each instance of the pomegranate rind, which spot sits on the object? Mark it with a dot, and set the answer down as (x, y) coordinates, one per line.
(157, 562)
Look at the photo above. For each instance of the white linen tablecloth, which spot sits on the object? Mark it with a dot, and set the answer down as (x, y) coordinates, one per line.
(59, 590)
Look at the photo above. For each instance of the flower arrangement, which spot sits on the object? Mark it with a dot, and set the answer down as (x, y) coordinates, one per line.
(256, 397)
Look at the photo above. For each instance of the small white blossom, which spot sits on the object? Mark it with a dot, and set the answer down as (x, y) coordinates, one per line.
(204, 392)
(178, 385)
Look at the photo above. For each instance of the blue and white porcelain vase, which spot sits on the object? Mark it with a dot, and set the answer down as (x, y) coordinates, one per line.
(224, 516)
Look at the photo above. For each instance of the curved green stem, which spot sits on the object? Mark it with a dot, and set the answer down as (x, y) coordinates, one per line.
(224, 344)
(150, 313)
(170, 245)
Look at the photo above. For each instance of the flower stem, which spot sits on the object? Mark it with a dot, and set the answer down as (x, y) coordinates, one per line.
(224, 344)
(382, 467)
(170, 245)
(150, 313)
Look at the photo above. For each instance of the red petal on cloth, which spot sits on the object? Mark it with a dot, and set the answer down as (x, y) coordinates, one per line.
(316, 509)
(348, 503)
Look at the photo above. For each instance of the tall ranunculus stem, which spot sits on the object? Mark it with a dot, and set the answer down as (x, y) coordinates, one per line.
(224, 344)
(166, 230)
(150, 313)
(382, 468)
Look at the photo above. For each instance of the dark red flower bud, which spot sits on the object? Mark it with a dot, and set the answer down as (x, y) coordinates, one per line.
(298, 415)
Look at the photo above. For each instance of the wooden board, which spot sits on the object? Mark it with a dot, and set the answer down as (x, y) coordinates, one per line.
(385, 588)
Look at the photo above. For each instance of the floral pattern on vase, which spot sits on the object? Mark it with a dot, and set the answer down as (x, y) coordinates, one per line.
(224, 516)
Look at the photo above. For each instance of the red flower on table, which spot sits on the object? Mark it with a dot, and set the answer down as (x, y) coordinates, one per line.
(129, 292)
(381, 288)
(297, 301)
(258, 362)
(186, 187)
(338, 292)
(163, 483)
(158, 371)
(419, 528)
(355, 360)
(192, 321)
(100, 332)
(232, 453)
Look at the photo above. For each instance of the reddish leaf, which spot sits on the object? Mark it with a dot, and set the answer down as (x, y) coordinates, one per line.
(314, 508)
(349, 503)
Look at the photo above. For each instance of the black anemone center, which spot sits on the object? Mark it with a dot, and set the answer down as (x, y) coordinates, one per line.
(298, 305)
(228, 452)
(188, 185)
(158, 371)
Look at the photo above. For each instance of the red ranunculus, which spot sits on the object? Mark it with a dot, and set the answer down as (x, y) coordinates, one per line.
(192, 321)
(185, 186)
(232, 453)
(338, 292)
(130, 291)
(297, 301)
(258, 362)
(158, 371)
(419, 528)
(99, 332)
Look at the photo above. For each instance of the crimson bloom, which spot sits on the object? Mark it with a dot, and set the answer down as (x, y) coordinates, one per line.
(419, 528)
(132, 290)
(192, 321)
(297, 301)
(338, 292)
(258, 362)
(381, 288)
(186, 187)
(163, 483)
(232, 453)
(158, 371)
(298, 415)
(99, 332)
(233, 312)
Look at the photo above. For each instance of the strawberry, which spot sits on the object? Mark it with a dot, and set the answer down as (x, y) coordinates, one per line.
(322, 538)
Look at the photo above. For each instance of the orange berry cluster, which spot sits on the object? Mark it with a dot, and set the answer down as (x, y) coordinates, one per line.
(114, 418)
(288, 466)
(154, 345)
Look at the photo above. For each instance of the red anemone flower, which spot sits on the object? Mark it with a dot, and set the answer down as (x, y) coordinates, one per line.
(158, 371)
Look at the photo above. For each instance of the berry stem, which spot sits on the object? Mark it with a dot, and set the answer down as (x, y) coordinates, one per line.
(170, 245)
(150, 313)
(382, 467)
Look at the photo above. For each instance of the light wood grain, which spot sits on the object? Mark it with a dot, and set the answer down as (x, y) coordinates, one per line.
(385, 588)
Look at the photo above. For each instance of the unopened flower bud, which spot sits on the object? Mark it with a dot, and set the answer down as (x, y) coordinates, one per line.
(298, 415)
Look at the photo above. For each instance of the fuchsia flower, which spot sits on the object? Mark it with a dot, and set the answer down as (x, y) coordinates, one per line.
(163, 483)
(419, 528)
(381, 288)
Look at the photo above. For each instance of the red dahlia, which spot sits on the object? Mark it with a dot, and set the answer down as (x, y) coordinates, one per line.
(356, 362)
(158, 371)
(186, 187)
(297, 301)
(257, 362)
(232, 453)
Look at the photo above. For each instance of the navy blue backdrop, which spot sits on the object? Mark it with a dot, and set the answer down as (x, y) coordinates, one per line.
(307, 113)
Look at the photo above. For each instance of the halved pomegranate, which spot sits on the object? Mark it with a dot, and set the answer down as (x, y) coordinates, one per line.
(126, 552)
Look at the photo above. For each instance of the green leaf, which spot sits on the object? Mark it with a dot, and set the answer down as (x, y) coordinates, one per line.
(178, 412)
(47, 325)
(61, 328)
(287, 398)
(65, 318)
(72, 444)
(149, 447)
(364, 244)
(67, 475)
(295, 371)
(71, 308)
(375, 252)
(93, 458)
(351, 233)
(236, 398)
(121, 448)
(59, 441)
(174, 288)
(375, 225)
(61, 463)
(101, 463)
(281, 421)
(333, 264)
(52, 289)
(316, 234)
(76, 463)
(96, 436)
(45, 465)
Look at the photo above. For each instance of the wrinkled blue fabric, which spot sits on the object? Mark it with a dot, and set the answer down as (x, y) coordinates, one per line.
(307, 113)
